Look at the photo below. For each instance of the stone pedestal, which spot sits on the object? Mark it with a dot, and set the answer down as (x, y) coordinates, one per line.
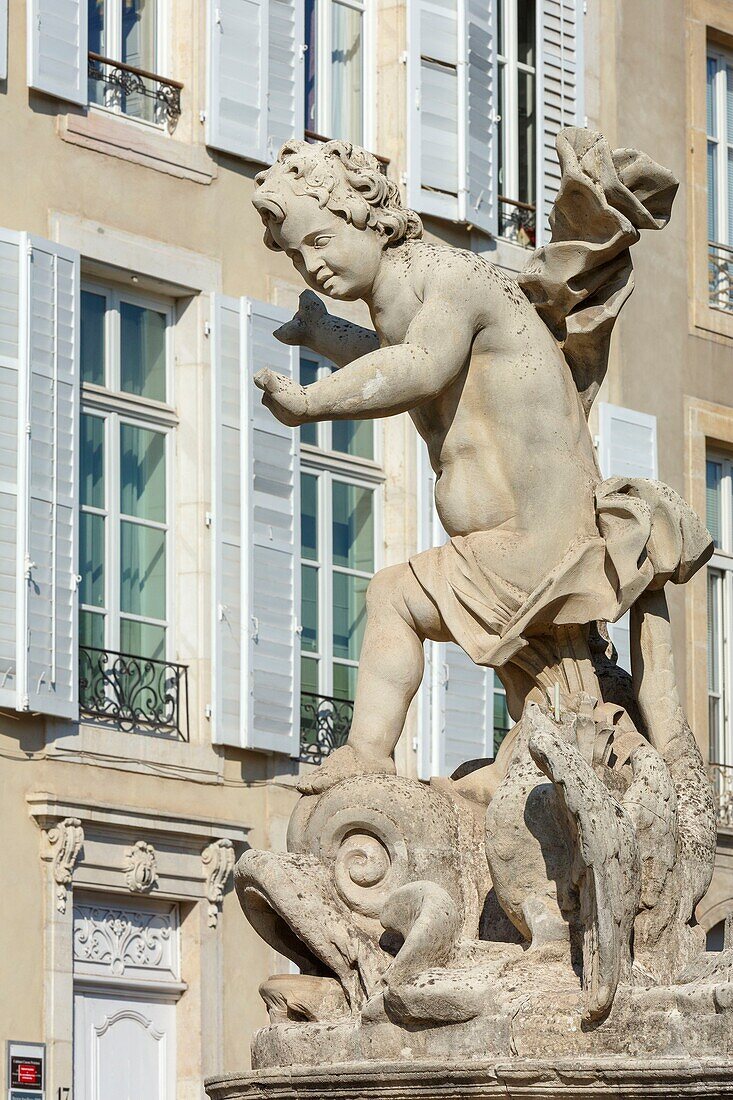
(481, 1080)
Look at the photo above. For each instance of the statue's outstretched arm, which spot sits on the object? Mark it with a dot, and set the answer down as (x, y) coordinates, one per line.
(334, 338)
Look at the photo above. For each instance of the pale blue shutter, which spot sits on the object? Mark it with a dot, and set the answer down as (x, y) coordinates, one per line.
(479, 205)
(229, 690)
(236, 113)
(560, 48)
(627, 448)
(12, 435)
(285, 74)
(57, 48)
(272, 525)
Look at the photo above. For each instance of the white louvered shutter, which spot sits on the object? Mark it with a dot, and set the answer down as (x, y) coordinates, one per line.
(285, 74)
(560, 47)
(456, 704)
(627, 448)
(228, 667)
(479, 205)
(3, 39)
(236, 113)
(11, 436)
(256, 646)
(57, 48)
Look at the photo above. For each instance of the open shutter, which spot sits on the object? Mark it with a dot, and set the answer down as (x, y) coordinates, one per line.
(627, 448)
(57, 48)
(285, 74)
(11, 437)
(47, 640)
(3, 39)
(479, 205)
(228, 669)
(272, 525)
(560, 49)
(236, 113)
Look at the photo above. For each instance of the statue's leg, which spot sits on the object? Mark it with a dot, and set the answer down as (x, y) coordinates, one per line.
(400, 616)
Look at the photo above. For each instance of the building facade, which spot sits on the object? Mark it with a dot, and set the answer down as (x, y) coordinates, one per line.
(182, 579)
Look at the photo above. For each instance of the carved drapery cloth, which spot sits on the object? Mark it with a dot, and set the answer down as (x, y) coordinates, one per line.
(581, 279)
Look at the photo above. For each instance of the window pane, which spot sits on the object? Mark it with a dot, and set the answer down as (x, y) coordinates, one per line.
(500, 130)
(308, 375)
(139, 50)
(96, 44)
(142, 473)
(91, 629)
(309, 675)
(92, 337)
(142, 351)
(349, 615)
(729, 103)
(143, 640)
(91, 559)
(715, 584)
(502, 721)
(353, 437)
(500, 26)
(712, 192)
(713, 475)
(344, 681)
(309, 608)
(353, 527)
(142, 570)
(92, 461)
(311, 65)
(526, 137)
(309, 516)
(710, 97)
(525, 31)
(346, 74)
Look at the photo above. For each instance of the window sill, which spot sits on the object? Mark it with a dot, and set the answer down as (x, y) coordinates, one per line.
(137, 141)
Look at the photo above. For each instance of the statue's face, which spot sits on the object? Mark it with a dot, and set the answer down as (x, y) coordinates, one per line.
(333, 256)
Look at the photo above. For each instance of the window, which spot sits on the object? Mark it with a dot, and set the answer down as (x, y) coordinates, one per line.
(126, 436)
(719, 488)
(125, 46)
(340, 515)
(719, 111)
(517, 127)
(335, 69)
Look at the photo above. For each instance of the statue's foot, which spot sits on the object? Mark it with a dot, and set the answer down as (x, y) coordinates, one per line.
(342, 764)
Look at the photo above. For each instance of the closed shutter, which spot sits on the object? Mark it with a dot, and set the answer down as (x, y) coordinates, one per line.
(11, 436)
(3, 39)
(57, 48)
(256, 648)
(560, 91)
(285, 74)
(456, 703)
(627, 448)
(480, 127)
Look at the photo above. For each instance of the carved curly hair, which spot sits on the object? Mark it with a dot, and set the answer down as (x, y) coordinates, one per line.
(343, 178)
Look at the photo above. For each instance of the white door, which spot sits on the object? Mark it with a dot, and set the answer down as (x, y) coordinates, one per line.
(124, 1048)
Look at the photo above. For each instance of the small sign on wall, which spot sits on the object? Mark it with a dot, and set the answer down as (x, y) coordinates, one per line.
(26, 1071)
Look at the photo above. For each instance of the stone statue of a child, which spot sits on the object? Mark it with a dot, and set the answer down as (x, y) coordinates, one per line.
(459, 346)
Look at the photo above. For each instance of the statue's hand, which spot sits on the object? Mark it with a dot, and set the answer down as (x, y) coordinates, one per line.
(304, 326)
(284, 398)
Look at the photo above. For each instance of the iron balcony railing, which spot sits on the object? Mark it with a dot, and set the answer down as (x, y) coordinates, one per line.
(126, 81)
(324, 725)
(720, 276)
(133, 693)
(721, 776)
(517, 221)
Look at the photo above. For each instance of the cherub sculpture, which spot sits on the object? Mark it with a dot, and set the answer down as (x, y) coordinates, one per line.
(598, 818)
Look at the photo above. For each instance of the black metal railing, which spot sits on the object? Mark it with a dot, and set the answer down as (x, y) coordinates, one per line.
(517, 221)
(133, 693)
(324, 725)
(130, 83)
(720, 276)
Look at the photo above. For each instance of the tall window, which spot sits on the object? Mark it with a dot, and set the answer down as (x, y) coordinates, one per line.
(719, 484)
(339, 536)
(720, 177)
(126, 437)
(126, 31)
(335, 68)
(517, 127)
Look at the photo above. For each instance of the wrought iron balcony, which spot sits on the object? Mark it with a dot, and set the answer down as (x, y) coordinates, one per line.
(124, 82)
(720, 276)
(133, 693)
(324, 725)
(721, 776)
(517, 221)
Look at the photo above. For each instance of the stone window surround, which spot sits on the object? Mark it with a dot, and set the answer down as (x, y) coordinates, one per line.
(707, 21)
(97, 847)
